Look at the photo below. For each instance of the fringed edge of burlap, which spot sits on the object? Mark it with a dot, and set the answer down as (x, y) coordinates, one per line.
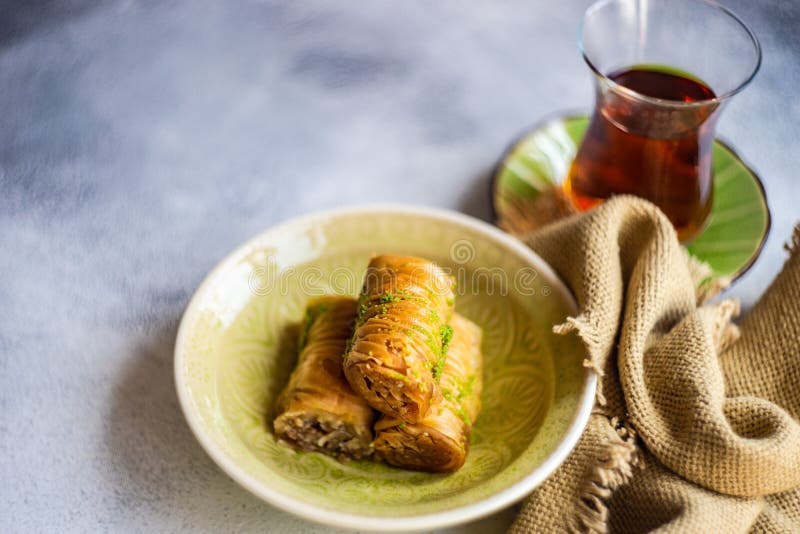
(613, 470)
(588, 335)
(793, 246)
(723, 331)
(706, 284)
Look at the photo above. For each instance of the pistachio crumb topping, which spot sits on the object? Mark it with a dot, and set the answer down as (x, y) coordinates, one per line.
(445, 335)
(395, 374)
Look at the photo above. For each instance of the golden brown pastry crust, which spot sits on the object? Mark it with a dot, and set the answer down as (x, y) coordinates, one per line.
(318, 410)
(396, 349)
(439, 442)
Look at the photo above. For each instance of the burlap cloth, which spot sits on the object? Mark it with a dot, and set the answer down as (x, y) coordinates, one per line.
(697, 421)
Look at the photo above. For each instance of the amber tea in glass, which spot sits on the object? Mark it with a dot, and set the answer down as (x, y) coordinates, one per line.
(663, 71)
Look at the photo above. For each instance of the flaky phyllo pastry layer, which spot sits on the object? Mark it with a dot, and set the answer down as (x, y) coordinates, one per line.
(396, 354)
(318, 411)
(440, 440)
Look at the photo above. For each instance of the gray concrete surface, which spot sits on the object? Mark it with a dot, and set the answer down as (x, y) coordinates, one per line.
(140, 141)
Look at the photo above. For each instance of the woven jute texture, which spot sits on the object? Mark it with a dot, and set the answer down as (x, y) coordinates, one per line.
(697, 421)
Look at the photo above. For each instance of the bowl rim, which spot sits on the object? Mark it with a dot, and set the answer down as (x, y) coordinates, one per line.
(305, 510)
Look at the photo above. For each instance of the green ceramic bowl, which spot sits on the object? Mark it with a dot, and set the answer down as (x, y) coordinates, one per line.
(231, 362)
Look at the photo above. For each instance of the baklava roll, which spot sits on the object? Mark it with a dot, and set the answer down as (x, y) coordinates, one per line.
(318, 410)
(439, 442)
(396, 356)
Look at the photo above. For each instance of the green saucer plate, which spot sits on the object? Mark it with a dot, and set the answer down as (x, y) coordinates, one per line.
(738, 225)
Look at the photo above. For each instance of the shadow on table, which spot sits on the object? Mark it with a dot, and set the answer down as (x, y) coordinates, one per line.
(157, 465)
(477, 199)
(21, 19)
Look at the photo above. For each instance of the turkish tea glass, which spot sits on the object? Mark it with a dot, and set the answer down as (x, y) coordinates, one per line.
(663, 71)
